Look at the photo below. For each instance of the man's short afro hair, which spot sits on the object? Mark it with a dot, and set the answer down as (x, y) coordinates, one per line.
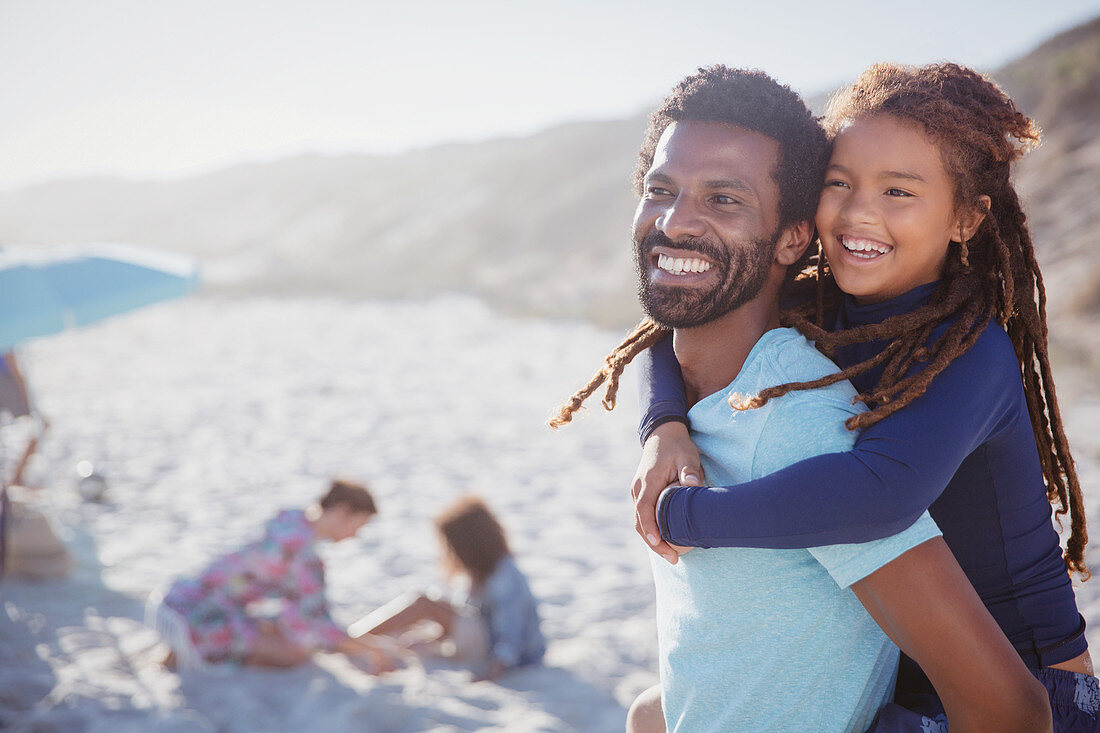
(752, 100)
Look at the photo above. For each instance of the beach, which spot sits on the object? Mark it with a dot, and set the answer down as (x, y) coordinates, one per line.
(208, 415)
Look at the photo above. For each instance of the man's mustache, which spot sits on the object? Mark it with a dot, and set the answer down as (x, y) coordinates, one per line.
(701, 245)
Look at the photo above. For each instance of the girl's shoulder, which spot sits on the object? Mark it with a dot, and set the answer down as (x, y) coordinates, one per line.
(987, 374)
(505, 575)
(992, 354)
(289, 528)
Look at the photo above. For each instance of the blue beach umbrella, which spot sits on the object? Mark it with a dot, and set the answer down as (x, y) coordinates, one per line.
(45, 290)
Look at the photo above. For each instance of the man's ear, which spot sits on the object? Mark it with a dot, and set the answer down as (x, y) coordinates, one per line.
(792, 243)
(971, 219)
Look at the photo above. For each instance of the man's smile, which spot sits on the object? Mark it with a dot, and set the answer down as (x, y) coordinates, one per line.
(679, 266)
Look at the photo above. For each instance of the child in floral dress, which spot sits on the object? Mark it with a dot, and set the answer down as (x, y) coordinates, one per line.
(264, 604)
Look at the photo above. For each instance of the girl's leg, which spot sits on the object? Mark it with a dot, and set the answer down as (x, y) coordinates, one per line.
(1081, 664)
(403, 613)
(271, 649)
(645, 714)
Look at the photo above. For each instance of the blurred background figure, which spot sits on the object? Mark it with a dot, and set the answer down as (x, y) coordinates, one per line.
(13, 391)
(29, 545)
(492, 620)
(265, 605)
(16, 403)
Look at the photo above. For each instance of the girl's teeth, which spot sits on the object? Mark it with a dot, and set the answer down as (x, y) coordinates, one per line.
(864, 248)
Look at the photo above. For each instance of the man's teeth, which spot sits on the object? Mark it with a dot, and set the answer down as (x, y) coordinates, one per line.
(865, 248)
(680, 265)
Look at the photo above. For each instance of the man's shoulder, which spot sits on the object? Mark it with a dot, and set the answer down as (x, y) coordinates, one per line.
(805, 422)
(789, 357)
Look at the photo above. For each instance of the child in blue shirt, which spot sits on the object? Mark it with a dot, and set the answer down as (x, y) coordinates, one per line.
(493, 623)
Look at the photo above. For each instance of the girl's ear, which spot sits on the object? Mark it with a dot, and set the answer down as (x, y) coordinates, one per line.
(971, 219)
(793, 242)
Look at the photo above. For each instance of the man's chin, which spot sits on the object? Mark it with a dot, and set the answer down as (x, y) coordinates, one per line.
(674, 310)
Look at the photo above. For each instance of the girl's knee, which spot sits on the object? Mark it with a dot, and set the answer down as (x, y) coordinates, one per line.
(291, 657)
(272, 649)
(646, 714)
(296, 655)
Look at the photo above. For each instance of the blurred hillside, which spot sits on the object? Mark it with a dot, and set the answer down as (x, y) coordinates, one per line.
(1058, 84)
(536, 225)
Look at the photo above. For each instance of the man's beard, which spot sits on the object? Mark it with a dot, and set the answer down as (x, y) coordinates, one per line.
(742, 274)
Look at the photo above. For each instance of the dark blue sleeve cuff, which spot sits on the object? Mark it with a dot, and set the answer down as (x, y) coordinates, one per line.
(672, 517)
(656, 417)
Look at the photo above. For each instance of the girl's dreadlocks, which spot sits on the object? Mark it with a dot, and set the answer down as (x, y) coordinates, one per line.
(995, 274)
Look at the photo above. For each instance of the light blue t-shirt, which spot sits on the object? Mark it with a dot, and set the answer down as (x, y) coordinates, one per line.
(774, 640)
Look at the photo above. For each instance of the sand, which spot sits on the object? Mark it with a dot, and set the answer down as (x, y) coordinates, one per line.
(208, 415)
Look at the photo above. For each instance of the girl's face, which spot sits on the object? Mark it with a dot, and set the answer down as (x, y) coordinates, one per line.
(452, 566)
(346, 523)
(887, 213)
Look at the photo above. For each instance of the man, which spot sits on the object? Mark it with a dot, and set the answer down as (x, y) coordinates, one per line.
(754, 639)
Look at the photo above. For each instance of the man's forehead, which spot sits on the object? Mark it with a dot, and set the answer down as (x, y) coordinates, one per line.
(716, 146)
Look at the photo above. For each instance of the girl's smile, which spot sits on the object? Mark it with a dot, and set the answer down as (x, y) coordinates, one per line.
(887, 213)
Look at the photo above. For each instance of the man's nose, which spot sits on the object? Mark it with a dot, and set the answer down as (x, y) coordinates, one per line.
(681, 219)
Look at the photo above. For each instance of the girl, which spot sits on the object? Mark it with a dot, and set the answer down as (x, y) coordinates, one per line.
(219, 616)
(935, 309)
(495, 623)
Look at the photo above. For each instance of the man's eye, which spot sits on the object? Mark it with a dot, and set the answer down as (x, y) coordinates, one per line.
(834, 183)
(657, 191)
(725, 200)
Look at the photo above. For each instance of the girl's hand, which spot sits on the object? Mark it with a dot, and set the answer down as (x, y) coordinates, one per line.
(496, 669)
(381, 653)
(381, 662)
(668, 457)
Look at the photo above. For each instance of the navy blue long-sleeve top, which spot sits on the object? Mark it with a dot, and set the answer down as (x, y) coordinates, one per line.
(964, 450)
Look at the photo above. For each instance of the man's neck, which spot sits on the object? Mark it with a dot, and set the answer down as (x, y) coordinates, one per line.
(712, 355)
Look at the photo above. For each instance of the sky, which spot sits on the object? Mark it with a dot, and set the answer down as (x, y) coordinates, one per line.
(169, 88)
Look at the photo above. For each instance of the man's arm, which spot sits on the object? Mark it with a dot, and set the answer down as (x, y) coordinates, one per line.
(926, 605)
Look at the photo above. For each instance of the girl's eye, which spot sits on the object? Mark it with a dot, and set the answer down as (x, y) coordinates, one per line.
(835, 183)
(897, 192)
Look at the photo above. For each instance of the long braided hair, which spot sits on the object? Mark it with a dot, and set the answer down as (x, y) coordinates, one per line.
(995, 274)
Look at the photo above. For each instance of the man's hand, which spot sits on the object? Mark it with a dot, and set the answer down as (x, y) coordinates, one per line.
(668, 457)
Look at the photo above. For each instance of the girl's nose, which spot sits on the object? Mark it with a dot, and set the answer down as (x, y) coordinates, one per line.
(858, 208)
(681, 220)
